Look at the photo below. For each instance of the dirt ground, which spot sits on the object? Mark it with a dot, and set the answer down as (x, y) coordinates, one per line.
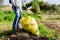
(23, 35)
(52, 24)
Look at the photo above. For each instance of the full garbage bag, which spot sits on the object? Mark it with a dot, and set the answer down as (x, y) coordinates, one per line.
(30, 25)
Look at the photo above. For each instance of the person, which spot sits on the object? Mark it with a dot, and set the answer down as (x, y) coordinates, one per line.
(17, 8)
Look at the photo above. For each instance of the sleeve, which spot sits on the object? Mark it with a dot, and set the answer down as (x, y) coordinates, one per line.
(23, 2)
(13, 2)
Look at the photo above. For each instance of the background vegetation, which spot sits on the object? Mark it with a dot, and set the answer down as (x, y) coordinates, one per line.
(38, 8)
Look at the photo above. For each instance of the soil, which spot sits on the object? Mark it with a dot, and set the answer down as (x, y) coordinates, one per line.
(52, 24)
(23, 35)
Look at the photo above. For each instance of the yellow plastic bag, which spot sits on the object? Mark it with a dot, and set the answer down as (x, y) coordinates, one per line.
(30, 25)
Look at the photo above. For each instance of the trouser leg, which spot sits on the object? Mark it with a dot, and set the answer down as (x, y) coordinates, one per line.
(15, 22)
(20, 16)
(16, 17)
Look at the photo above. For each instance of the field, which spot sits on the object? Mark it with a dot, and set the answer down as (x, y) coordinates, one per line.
(47, 27)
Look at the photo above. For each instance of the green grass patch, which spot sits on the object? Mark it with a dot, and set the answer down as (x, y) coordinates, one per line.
(7, 33)
(8, 15)
(25, 14)
(44, 31)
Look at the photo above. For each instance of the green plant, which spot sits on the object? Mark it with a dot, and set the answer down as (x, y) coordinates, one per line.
(35, 6)
(7, 15)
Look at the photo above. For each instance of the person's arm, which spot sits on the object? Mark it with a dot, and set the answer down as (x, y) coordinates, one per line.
(23, 2)
(13, 2)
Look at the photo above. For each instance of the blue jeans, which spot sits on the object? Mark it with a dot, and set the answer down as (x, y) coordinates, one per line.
(18, 16)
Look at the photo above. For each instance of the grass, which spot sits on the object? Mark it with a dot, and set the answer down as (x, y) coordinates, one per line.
(46, 32)
(7, 33)
(6, 24)
(8, 15)
(6, 29)
(25, 14)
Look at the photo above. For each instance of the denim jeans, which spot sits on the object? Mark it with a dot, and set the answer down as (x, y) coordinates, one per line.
(18, 16)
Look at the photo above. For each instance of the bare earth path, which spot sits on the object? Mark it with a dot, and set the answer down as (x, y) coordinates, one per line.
(52, 24)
